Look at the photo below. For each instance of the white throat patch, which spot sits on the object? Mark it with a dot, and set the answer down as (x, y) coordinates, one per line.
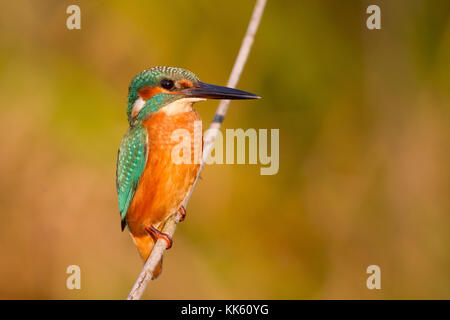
(180, 105)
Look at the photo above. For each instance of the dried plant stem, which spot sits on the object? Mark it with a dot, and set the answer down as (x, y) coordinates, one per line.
(209, 139)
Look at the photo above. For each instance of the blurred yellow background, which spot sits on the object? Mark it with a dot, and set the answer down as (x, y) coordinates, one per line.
(364, 172)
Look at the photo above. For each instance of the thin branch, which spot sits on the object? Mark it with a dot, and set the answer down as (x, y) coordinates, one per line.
(209, 139)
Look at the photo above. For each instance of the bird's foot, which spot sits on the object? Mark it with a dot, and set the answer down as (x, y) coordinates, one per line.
(182, 211)
(160, 235)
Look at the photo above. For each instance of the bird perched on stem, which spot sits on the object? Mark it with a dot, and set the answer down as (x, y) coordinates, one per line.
(150, 184)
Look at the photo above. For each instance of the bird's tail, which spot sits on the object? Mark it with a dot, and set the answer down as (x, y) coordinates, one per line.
(145, 245)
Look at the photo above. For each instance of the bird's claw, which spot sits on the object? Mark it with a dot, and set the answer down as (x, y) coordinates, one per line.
(182, 212)
(160, 235)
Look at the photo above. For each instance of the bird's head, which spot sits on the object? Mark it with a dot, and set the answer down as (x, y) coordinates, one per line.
(157, 87)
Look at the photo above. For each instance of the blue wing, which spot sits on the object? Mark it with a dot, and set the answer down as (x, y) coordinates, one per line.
(131, 161)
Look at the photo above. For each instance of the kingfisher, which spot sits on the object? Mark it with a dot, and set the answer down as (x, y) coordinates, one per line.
(150, 185)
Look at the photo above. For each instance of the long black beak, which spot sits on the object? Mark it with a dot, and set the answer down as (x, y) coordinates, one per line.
(210, 91)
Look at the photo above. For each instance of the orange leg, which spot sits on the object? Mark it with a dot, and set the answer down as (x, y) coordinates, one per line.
(182, 211)
(160, 235)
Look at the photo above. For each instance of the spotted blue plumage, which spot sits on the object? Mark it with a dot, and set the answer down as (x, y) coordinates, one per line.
(131, 161)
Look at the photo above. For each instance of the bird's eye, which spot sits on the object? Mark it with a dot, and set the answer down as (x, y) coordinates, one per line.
(167, 84)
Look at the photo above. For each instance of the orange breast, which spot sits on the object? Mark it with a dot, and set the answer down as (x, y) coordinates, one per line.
(164, 184)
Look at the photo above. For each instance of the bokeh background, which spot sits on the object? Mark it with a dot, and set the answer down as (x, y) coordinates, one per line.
(364, 172)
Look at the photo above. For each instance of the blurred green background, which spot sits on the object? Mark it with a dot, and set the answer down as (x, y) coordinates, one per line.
(364, 172)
